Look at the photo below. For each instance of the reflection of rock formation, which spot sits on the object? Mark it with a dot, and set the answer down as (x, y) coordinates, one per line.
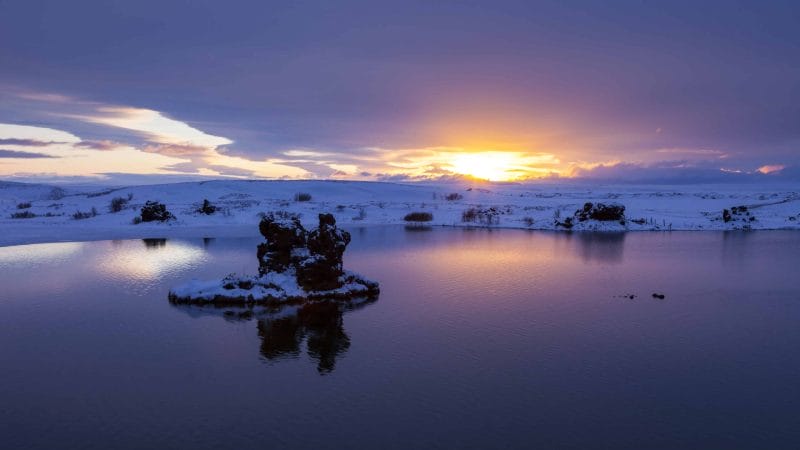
(293, 264)
(319, 323)
(603, 247)
(154, 243)
(283, 330)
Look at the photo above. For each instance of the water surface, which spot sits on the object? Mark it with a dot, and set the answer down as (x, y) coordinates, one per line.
(480, 339)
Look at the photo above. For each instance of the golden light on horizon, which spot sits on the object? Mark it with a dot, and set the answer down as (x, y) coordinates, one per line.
(498, 165)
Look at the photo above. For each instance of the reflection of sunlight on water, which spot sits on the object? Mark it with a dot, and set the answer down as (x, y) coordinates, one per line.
(149, 260)
(26, 255)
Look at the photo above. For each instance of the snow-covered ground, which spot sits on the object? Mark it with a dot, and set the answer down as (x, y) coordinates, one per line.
(354, 203)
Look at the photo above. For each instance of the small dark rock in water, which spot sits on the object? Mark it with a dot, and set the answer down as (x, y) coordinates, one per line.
(659, 296)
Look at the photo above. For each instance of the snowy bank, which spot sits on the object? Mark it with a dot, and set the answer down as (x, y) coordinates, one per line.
(45, 213)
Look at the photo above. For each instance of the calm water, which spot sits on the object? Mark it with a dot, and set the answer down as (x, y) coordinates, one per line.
(480, 339)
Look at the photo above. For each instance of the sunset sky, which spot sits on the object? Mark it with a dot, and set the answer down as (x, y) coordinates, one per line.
(144, 91)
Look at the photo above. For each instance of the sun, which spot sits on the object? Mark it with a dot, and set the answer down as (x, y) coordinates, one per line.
(492, 166)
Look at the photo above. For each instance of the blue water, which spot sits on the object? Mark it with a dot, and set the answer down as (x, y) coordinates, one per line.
(480, 339)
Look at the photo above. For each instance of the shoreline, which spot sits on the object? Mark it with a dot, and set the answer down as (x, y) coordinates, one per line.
(53, 214)
(36, 234)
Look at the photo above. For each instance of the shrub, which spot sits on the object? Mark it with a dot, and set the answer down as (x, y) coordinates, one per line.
(453, 197)
(528, 221)
(57, 193)
(84, 215)
(362, 214)
(23, 215)
(302, 197)
(488, 216)
(118, 204)
(567, 223)
(418, 216)
(469, 215)
(23, 205)
(207, 208)
(155, 212)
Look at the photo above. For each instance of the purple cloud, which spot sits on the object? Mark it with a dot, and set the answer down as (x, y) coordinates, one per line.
(103, 145)
(23, 155)
(26, 142)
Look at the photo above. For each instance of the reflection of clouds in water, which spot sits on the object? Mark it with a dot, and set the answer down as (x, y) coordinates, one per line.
(150, 259)
(284, 328)
(26, 255)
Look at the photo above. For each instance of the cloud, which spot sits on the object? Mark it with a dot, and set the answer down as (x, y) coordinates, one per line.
(45, 97)
(771, 168)
(177, 150)
(23, 155)
(33, 133)
(232, 171)
(103, 145)
(152, 125)
(26, 142)
(667, 172)
(699, 152)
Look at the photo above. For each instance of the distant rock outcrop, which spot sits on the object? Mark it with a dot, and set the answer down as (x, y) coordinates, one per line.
(600, 212)
(155, 212)
(293, 264)
(738, 214)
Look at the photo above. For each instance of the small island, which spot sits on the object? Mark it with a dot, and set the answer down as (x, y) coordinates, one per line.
(293, 265)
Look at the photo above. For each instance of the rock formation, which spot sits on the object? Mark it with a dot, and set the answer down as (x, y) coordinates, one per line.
(293, 264)
(155, 212)
(601, 212)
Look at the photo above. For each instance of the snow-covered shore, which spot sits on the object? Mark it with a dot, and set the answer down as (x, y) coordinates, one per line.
(355, 203)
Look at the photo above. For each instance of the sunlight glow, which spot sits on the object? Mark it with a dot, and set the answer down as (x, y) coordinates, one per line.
(496, 166)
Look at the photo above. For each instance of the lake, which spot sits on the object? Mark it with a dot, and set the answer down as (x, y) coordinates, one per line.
(479, 339)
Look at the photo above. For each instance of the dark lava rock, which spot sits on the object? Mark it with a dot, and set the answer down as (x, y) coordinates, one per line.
(320, 271)
(601, 212)
(285, 236)
(155, 212)
(738, 214)
(315, 256)
(567, 223)
(659, 296)
(726, 215)
(207, 208)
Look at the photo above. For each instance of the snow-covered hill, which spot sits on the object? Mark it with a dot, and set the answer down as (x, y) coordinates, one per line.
(354, 203)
